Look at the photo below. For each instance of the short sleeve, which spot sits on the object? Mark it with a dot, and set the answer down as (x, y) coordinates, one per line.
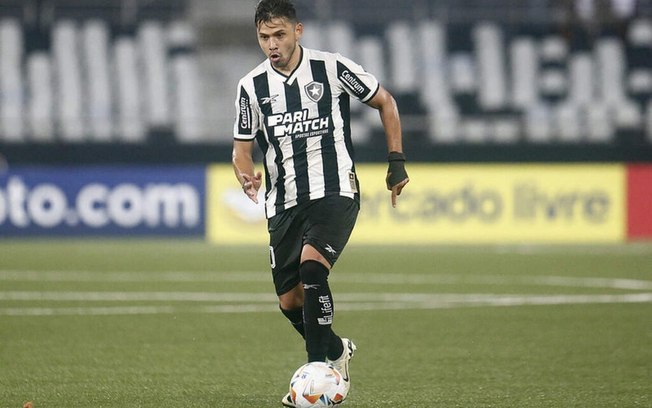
(246, 121)
(355, 80)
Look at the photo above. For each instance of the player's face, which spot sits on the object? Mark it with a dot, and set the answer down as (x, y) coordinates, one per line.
(279, 40)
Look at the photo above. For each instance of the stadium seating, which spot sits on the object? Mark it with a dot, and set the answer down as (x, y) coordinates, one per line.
(88, 79)
(489, 84)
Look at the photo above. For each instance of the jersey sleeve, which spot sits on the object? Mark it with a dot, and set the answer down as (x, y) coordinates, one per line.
(357, 82)
(246, 120)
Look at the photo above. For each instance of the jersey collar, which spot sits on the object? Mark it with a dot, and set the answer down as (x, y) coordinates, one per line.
(289, 78)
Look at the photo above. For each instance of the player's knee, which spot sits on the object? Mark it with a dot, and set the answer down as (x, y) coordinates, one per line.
(313, 273)
(292, 299)
(290, 303)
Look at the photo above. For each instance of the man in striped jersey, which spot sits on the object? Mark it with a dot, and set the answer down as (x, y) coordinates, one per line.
(295, 104)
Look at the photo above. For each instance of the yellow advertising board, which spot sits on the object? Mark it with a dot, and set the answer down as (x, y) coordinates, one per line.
(231, 217)
(457, 204)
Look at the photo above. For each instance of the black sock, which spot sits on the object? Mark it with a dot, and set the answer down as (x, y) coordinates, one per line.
(295, 317)
(317, 309)
(335, 346)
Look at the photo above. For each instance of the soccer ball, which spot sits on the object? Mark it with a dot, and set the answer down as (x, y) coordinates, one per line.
(317, 384)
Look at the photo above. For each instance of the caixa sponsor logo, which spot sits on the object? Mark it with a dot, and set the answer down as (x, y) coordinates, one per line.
(98, 205)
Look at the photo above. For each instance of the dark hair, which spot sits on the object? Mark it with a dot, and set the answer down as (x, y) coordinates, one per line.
(267, 10)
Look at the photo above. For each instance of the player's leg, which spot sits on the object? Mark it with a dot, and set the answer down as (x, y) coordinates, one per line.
(330, 223)
(314, 270)
(321, 340)
(291, 305)
(318, 304)
(285, 232)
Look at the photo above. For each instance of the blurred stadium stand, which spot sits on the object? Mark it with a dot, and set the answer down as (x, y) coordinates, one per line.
(476, 80)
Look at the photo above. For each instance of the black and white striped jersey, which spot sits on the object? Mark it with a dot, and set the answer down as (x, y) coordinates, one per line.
(302, 125)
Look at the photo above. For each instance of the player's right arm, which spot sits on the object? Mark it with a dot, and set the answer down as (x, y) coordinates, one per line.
(243, 167)
(244, 129)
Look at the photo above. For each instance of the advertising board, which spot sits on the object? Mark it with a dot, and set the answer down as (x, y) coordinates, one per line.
(232, 218)
(639, 202)
(102, 201)
(457, 204)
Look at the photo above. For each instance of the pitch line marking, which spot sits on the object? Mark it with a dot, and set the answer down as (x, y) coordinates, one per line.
(388, 301)
(137, 296)
(133, 276)
(344, 277)
(254, 297)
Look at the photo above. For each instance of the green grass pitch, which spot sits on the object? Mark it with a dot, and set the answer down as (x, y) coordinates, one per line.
(147, 323)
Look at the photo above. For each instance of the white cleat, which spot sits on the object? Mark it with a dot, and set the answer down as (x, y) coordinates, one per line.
(342, 363)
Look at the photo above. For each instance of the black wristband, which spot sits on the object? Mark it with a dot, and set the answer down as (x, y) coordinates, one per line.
(396, 171)
(395, 156)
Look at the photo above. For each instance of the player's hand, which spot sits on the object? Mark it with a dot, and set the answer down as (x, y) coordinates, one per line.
(251, 185)
(397, 177)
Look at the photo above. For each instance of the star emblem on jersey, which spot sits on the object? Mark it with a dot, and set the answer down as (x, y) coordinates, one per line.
(314, 90)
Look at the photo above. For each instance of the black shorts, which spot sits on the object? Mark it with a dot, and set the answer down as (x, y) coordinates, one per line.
(326, 224)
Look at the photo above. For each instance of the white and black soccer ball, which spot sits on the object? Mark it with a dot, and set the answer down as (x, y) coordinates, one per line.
(317, 384)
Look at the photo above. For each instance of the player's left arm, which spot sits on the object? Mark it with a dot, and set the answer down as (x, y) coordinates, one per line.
(397, 177)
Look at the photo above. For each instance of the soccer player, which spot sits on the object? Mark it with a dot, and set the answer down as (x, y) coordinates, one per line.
(295, 104)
